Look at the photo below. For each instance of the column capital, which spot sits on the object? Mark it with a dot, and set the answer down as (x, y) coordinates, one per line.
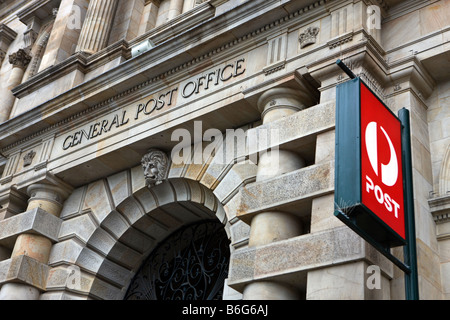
(49, 194)
(284, 100)
(20, 59)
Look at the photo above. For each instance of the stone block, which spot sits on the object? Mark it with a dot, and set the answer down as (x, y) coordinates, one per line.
(286, 192)
(238, 176)
(146, 199)
(35, 221)
(138, 241)
(105, 291)
(240, 232)
(80, 227)
(93, 262)
(72, 206)
(65, 252)
(291, 259)
(343, 282)
(61, 296)
(64, 284)
(119, 185)
(152, 228)
(24, 269)
(137, 178)
(131, 209)
(97, 200)
(293, 129)
(322, 217)
(115, 224)
(163, 193)
(325, 147)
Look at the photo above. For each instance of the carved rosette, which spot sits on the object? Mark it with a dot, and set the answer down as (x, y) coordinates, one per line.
(156, 167)
(20, 59)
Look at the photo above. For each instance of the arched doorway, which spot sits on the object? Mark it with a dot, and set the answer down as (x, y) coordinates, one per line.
(190, 264)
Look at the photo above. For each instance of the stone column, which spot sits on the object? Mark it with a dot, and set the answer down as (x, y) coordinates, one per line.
(97, 26)
(268, 227)
(19, 61)
(175, 9)
(49, 198)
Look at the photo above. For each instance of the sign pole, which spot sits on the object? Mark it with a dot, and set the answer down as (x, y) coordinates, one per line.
(376, 204)
(409, 250)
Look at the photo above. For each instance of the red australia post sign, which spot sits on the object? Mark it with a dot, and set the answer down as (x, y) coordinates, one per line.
(381, 162)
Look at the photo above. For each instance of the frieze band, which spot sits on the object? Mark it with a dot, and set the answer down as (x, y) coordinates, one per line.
(158, 101)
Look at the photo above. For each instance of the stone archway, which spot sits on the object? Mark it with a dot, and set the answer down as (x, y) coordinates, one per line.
(191, 264)
(110, 226)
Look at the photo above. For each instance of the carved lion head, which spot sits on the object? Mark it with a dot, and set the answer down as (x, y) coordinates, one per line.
(156, 165)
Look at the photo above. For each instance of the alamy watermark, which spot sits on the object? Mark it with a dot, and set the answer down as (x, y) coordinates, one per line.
(74, 20)
(373, 17)
(233, 146)
(73, 281)
(373, 281)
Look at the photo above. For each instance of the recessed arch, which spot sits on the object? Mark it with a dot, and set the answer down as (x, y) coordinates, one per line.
(112, 225)
(191, 264)
(143, 220)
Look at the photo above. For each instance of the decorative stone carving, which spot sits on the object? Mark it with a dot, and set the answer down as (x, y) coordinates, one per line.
(341, 40)
(156, 167)
(20, 59)
(308, 37)
(28, 159)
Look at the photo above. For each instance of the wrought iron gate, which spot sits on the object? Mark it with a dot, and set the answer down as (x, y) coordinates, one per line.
(191, 264)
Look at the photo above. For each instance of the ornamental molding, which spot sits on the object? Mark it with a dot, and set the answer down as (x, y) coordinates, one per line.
(340, 40)
(440, 208)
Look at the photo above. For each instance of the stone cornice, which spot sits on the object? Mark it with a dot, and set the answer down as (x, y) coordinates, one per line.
(40, 9)
(144, 66)
(7, 35)
(440, 208)
(78, 61)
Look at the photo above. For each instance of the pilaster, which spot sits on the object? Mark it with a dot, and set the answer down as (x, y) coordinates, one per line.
(97, 26)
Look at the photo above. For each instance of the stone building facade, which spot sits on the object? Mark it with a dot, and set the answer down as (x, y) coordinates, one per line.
(108, 111)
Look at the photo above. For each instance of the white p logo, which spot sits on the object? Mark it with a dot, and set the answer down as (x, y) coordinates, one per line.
(389, 172)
